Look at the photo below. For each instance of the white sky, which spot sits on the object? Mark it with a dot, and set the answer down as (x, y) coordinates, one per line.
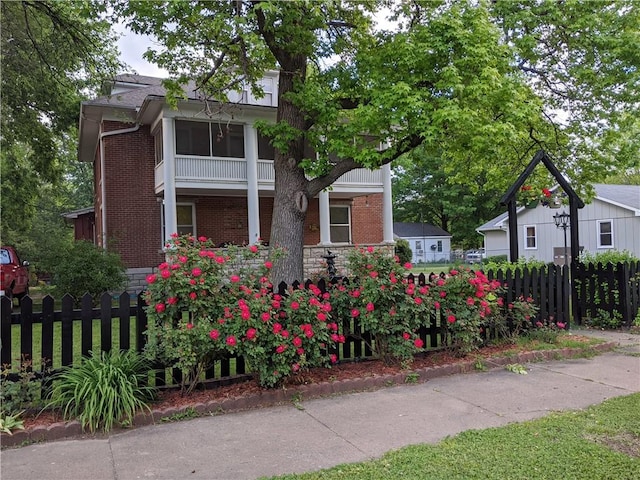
(132, 46)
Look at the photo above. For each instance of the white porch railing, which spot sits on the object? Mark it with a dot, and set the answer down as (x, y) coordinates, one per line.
(191, 171)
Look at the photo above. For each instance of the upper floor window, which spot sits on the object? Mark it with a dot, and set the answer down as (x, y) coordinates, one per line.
(530, 237)
(266, 151)
(209, 139)
(605, 233)
(157, 141)
(340, 223)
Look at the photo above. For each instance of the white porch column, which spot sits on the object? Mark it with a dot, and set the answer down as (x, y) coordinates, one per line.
(253, 201)
(169, 172)
(325, 224)
(387, 205)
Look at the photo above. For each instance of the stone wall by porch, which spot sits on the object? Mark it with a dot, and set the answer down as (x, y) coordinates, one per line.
(315, 266)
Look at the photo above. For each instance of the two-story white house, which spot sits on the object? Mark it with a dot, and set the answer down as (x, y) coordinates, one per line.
(204, 169)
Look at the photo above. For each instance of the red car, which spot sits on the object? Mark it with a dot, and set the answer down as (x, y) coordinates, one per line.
(14, 274)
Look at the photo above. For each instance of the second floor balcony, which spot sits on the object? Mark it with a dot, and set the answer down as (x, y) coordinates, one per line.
(211, 173)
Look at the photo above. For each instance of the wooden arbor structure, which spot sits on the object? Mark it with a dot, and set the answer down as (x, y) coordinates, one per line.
(509, 199)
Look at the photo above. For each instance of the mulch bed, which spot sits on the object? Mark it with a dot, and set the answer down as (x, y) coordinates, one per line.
(342, 378)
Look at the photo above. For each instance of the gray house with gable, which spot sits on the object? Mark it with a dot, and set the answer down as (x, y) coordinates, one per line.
(610, 222)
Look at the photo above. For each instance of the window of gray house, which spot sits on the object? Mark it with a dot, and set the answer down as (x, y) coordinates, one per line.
(530, 237)
(439, 245)
(605, 233)
(340, 224)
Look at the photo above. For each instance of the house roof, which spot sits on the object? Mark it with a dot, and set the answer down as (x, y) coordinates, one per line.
(624, 196)
(407, 230)
(79, 212)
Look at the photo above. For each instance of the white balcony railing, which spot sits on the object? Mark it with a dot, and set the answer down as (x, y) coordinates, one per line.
(223, 173)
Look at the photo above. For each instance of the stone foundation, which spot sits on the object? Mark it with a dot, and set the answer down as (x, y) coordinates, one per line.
(315, 266)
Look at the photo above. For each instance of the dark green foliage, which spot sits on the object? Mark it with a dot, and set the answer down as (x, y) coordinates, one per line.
(85, 268)
(403, 251)
(103, 389)
(21, 394)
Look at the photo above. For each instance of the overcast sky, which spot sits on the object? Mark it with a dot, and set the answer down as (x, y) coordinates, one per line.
(132, 47)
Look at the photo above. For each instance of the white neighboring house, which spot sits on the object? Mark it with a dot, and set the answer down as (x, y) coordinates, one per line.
(610, 222)
(428, 243)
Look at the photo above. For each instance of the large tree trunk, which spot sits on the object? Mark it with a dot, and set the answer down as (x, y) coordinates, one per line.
(291, 197)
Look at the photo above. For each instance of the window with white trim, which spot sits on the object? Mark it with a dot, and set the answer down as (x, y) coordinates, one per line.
(340, 223)
(439, 245)
(605, 233)
(186, 220)
(530, 237)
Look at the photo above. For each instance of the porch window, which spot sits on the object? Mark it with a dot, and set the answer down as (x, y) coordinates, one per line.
(530, 237)
(206, 139)
(227, 140)
(605, 233)
(193, 138)
(340, 224)
(186, 218)
(157, 141)
(266, 151)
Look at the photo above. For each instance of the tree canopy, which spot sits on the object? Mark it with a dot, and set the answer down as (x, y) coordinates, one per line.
(53, 54)
(483, 83)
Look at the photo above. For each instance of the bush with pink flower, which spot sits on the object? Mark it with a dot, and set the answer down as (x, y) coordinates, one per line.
(383, 303)
(205, 304)
(186, 297)
(281, 335)
(468, 303)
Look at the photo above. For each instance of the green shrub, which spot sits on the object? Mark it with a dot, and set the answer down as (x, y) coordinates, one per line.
(21, 394)
(103, 389)
(497, 259)
(611, 256)
(522, 264)
(85, 268)
(403, 251)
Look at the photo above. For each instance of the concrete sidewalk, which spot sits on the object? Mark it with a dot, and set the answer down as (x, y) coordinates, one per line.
(329, 431)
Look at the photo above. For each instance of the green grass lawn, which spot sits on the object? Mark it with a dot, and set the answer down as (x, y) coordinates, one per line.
(57, 341)
(601, 442)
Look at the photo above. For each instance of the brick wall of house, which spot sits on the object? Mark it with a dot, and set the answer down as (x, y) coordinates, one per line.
(366, 219)
(133, 212)
(224, 219)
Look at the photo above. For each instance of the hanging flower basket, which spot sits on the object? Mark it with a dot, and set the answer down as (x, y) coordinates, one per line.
(555, 202)
(531, 198)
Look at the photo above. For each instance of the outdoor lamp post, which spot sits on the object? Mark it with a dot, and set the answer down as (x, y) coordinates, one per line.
(562, 221)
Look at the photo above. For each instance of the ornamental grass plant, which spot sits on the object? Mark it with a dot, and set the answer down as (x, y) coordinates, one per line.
(103, 389)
